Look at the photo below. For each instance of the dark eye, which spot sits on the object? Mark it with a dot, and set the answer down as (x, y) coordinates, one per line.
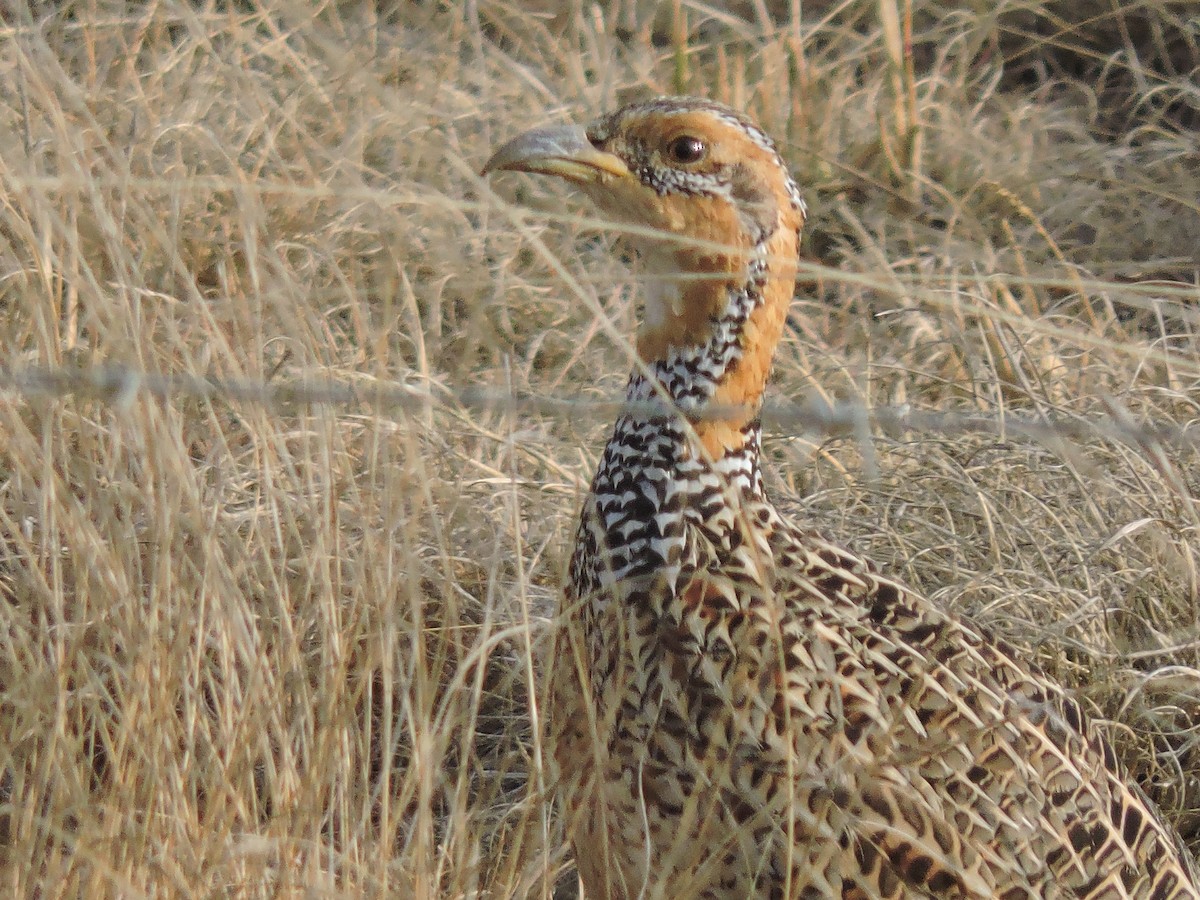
(687, 149)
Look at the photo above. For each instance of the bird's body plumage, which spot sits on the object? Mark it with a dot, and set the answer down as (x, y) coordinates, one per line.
(738, 707)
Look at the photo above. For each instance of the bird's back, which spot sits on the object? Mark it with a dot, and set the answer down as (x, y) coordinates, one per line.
(789, 723)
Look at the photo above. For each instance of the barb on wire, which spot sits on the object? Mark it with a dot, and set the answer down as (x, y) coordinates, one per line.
(119, 386)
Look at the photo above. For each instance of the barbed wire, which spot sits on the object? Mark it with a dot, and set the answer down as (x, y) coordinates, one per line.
(120, 386)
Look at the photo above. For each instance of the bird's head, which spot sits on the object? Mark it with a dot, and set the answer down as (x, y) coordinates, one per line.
(716, 213)
(686, 167)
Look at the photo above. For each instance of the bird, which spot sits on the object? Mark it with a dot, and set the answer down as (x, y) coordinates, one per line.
(737, 706)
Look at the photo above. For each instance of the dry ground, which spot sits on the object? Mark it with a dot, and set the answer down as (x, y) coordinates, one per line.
(254, 646)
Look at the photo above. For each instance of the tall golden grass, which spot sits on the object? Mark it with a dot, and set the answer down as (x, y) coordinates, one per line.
(277, 649)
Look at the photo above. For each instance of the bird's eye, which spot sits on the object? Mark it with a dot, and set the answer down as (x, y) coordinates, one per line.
(687, 149)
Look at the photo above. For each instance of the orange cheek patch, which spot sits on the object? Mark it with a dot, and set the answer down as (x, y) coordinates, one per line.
(743, 384)
(689, 320)
(706, 272)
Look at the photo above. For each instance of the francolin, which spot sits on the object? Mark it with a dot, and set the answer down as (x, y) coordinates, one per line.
(737, 706)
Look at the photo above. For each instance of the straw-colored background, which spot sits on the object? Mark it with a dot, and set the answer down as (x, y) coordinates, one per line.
(255, 647)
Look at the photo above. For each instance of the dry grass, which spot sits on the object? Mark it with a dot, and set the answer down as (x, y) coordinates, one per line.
(256, 650)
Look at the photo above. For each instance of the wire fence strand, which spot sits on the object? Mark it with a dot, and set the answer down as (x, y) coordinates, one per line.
(120, 386)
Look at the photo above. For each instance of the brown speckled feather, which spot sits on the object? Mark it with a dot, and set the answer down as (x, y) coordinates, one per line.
(739, 708)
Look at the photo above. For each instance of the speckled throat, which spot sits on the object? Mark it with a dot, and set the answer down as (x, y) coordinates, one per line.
(656, 477)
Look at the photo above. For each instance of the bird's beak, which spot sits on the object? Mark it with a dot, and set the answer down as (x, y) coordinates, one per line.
(562, 150)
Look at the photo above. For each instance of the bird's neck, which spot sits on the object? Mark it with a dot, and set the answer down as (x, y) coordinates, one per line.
(711, 323)
(684, 455)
